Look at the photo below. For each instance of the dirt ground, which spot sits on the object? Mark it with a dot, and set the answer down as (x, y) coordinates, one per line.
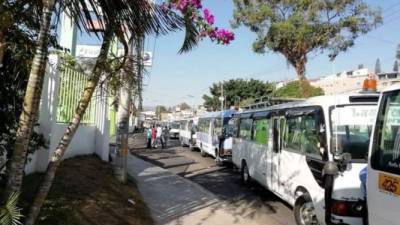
(85, 192)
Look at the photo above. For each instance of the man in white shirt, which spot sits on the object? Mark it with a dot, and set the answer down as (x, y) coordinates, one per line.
(159, 139)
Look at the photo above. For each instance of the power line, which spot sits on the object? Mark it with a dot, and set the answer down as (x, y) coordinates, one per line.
(381, 39)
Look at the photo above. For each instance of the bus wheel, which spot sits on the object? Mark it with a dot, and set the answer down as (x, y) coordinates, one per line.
(246, 179)
(304, 211)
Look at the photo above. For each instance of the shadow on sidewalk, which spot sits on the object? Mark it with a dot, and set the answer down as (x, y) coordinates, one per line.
(167, 195)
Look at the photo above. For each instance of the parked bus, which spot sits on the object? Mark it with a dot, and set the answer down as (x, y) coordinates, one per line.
(187, 133)
(214, 135)
(383, 181)
(301, 152)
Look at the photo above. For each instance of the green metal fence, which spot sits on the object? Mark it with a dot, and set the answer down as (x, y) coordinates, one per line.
(72, 84)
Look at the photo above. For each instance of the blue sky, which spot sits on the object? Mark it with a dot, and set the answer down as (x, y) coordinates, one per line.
(174, 78)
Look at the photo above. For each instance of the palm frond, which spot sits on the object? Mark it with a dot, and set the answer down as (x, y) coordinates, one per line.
(139, 16)
(10, 213)
(191, 36)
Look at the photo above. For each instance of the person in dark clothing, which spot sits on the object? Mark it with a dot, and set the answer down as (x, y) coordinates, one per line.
(148, 138)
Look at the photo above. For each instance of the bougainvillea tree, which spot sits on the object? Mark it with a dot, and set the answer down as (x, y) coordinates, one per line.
(202, 18)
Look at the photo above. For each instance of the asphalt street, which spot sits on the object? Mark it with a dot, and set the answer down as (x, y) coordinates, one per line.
(254, 202)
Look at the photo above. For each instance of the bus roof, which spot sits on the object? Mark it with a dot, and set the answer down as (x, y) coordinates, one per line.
(225, 113)
(325, 101)
(392, 87)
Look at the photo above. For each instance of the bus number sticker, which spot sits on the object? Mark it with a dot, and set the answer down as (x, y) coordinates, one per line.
(389, 184)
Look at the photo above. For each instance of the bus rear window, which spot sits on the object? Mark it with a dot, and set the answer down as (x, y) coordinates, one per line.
(386, 149)
(351, 129)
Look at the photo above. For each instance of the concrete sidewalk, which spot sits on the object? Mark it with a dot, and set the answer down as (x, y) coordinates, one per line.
(174, 200)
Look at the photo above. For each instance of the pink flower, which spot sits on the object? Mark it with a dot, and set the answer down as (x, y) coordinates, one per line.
(225, 36)
(197, 4)
(182, 4)
(208, 17)
(212, 33)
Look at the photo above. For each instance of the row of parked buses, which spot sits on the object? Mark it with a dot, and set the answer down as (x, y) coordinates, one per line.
(311, 153)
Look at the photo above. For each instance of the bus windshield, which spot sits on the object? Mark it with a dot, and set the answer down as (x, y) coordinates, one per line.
(175, 125)
(351, 129)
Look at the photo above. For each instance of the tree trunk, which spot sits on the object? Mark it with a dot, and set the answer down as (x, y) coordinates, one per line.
(31, 102)
(300, 66)
(72, 127)
(123, 114)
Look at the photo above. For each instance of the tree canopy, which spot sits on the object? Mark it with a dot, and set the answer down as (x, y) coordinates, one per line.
(184, 106)
(293, 90)
(294, 28)
(236, 91)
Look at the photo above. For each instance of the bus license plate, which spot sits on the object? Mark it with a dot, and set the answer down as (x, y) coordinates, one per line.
(389, 184)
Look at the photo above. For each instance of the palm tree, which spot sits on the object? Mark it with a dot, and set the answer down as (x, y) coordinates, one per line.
(140, 18)
(31, 102)
(126, 81)
(137, 15)
(73, 126)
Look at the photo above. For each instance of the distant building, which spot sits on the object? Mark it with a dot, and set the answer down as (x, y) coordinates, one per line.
(348, 81)
(387, 79)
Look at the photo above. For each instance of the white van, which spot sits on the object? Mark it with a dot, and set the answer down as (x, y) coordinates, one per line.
(187, 133)
(383, 181)
(214, 136)
(174, 128)
(301, 152)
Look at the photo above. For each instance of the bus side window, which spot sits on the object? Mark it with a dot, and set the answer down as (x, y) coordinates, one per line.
(310, 140)
(294, 133)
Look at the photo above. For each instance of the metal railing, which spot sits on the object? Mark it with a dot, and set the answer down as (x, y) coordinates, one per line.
(72, 84)
(263, 102)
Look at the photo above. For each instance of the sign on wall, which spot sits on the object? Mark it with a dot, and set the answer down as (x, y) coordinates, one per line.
(87, 51)
(92, 51)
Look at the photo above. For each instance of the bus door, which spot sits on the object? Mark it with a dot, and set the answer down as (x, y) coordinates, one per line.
(383, 180)
(278, 124)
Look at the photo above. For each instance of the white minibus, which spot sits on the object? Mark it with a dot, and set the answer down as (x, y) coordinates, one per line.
(310, 154)
(187, 133)
(214, 135)
(383, 180)
(174, 127)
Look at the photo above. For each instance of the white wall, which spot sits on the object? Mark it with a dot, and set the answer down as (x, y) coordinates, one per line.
(89, 138)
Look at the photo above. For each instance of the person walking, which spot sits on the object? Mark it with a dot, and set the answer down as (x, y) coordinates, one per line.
(159, 139)
(149, 137)
(165, 136)
(153, 136)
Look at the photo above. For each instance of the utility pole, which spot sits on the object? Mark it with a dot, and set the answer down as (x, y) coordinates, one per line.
(221, 98)
(139, 50)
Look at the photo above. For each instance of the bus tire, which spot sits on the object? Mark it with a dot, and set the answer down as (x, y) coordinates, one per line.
(245, 175)
(304, 211)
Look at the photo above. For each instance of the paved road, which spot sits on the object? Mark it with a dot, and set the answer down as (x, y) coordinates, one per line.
(253, 203)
